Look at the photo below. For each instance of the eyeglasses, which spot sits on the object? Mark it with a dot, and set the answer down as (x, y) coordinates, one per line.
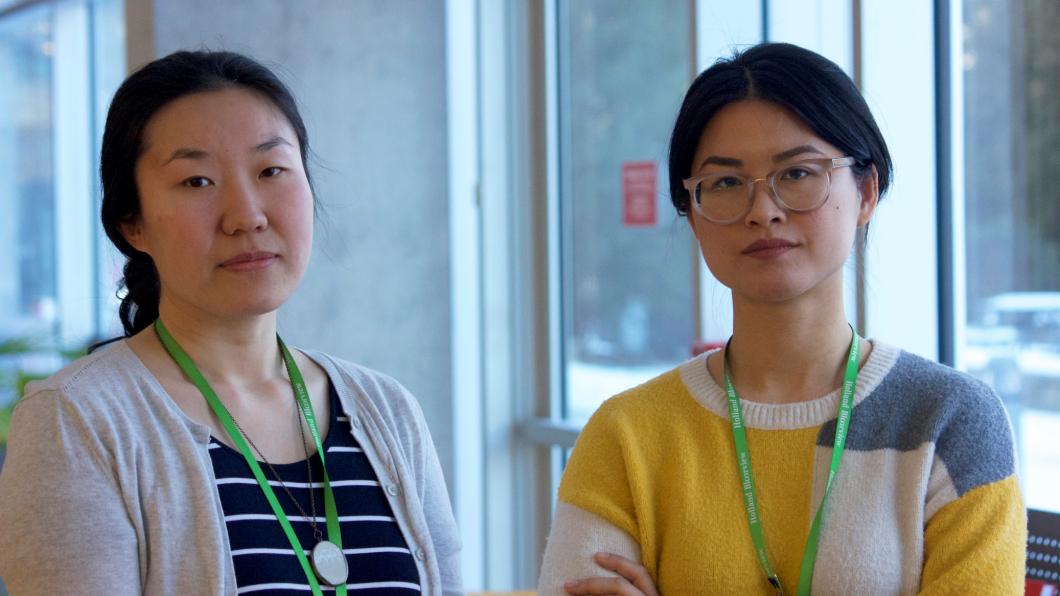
(726, 197)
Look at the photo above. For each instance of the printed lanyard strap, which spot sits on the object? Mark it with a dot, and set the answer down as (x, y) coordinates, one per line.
(743, 465)
(302, 396)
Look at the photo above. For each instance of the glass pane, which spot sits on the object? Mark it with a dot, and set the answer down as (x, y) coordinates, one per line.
(1012, 226)
(627, 259)
(27, 198)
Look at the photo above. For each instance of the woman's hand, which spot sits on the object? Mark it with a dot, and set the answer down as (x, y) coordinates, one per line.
(633, 579)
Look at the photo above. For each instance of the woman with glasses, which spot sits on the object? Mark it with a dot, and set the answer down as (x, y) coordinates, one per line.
(199, 454)
(800, 458)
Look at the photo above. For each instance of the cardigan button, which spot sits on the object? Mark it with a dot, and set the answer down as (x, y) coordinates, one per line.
(392, 490)
(420, 555)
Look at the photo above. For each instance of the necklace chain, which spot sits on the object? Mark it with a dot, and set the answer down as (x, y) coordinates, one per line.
(328, 560)
(317, 534)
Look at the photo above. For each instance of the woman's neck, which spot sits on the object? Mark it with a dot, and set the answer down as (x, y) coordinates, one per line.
(236, 352)
(785, 353)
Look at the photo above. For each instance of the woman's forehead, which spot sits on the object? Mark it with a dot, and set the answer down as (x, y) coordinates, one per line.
(756, 129)
(231, 120)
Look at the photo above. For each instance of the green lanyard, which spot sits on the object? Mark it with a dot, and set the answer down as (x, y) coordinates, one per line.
(302, 396)
(743, 464)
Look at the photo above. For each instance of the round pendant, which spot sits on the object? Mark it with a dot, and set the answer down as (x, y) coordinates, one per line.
(329, 563)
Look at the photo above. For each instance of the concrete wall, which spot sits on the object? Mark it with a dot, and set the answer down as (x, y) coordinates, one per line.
(370, 77)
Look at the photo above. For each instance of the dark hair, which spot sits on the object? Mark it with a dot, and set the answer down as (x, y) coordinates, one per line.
(805, 83)
(138, 99)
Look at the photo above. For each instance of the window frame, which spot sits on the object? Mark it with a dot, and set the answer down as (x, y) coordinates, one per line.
(501, 293)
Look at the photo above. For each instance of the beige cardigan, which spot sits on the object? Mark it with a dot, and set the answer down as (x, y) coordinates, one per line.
(107, 487)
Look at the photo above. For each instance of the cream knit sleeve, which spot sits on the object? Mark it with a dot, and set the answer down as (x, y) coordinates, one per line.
(575, 537)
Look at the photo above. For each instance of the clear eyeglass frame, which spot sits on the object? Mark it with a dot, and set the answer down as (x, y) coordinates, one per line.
(830, 163)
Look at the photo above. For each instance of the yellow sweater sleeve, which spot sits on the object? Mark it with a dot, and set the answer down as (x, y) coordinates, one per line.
(977, 544)
(596, 478)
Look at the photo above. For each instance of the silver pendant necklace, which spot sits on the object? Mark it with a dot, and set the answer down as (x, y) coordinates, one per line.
(327, 559)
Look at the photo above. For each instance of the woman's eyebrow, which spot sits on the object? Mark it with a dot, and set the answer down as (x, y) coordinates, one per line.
(195, 154)
(721, 161)
(796, 151)
(185, 153)
(272, 142)
(783, 155)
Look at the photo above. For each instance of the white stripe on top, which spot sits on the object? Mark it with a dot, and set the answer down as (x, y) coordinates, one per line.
(276, 483)
(301, 518)
(370, 585)
(279, 586)
(348, 551)
(307, 588)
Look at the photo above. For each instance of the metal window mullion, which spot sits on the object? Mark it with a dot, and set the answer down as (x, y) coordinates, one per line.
(950, 226)
(465, 244)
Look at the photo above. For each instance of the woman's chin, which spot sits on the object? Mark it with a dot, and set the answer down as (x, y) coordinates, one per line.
(248, 306)
(772, 293)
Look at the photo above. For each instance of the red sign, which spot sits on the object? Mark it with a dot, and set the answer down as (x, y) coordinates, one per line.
(639, 189)
(1036, 587)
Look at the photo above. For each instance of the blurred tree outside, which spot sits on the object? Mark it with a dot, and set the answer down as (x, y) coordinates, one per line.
(1012, 147)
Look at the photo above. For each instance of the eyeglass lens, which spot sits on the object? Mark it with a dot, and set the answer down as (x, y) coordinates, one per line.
(799, 187)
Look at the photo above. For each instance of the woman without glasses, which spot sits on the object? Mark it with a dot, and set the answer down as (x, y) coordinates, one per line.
(799, 458)
(199, 455)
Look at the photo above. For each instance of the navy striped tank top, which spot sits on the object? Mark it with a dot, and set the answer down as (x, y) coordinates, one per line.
(379, 559)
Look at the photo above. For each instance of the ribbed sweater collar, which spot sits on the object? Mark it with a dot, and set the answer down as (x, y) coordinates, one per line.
(805, 414)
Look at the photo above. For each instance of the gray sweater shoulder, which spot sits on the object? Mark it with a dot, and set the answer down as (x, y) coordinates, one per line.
(105, 388)
(920, 401)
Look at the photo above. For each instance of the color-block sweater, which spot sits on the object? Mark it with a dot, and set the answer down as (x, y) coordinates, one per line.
(925, 501)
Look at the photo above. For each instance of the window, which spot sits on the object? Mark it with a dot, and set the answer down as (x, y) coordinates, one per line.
(28, 292)
(627, 261)
(1009, 63)
(59, 64)
(960, 265)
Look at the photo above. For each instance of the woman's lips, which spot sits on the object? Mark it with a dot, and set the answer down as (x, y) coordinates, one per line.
(768, 248)
(249, 261)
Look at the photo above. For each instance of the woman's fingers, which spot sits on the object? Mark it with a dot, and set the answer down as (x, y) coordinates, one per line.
(632, 571)
(634, 579)
(612, 586)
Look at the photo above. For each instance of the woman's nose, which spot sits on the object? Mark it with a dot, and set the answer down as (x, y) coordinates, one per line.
(243, 211)
(765, 208)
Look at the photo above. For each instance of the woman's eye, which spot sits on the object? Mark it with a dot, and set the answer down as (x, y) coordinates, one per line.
(196, 182)
(725, 183)
(270, 172)
(798, 173)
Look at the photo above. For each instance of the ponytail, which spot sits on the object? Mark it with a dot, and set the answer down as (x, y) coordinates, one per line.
(139, 304)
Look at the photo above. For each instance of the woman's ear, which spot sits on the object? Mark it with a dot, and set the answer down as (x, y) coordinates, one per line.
(869, 192)
(132, 230)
